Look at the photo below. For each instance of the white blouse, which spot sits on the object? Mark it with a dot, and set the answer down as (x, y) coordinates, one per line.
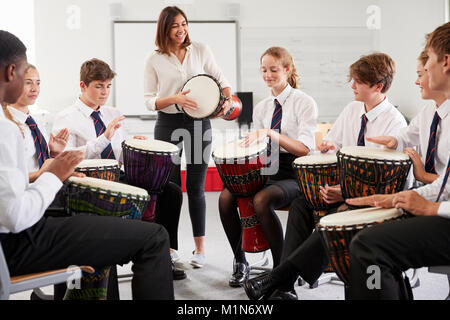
(418, 133)
(299, 118)
(383, 120)
(165, 76)
(30, 149)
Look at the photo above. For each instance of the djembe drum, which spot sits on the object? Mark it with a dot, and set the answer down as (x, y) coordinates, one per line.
(313, 172)
(338, 229)
(240, 171)
(106, 169)
(364, 171)
(148, 164)
(107, 198)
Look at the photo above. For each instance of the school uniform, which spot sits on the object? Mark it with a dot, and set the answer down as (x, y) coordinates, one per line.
(78, 119)
(299, 120)
(418, 134)
(384, 119)
(31, 158)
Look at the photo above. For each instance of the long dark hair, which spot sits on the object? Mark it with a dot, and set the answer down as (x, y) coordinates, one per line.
(165, 21)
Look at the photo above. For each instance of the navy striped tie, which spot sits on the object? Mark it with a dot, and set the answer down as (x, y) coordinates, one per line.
(431, 151)
(40, 144)
(361, 132)
(99, 130)
(444, 182)
(276, 117)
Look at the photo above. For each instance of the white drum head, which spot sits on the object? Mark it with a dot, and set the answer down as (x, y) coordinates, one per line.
(359, 216)
(96, 163)
(232, 150)
(105, 185)
(152, 145)
(374, 153)
(326, 158)
(206, 92)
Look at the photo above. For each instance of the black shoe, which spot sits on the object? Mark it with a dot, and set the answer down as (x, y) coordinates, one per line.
(177, 273)
(257, 287)
(283, 295)
(240, 274)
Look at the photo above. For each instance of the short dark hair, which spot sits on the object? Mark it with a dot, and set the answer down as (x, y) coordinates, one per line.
(95, 69)
(11, 49)
(164, 24)
(373, 69)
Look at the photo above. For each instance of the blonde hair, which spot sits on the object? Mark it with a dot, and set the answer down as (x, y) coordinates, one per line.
(9, 116)
(286, 61)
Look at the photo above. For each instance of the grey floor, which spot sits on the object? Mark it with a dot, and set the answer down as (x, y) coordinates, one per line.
(211, 281)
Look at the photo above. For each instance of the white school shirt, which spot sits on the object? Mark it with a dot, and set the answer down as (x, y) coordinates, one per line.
(431, 191)
(30, 149)
(165, 76)
(418, 133)
(21, 204)
(383, 120)
(299, 117)
(77, 119)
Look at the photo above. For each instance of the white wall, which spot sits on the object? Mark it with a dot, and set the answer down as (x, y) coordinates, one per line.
(60, 51)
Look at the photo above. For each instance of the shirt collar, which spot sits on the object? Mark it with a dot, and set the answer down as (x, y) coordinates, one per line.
(375, 112)
(444, 109)
(19, 116)
(87, 111)
(283, 95)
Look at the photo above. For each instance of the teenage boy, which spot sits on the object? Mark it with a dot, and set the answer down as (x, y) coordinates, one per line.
(424, 130)
(370, 113)
(422, 240)
(33, 243)
(98, 127)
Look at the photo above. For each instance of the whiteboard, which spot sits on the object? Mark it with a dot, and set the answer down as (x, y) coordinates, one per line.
(133, 42)
(322, 56)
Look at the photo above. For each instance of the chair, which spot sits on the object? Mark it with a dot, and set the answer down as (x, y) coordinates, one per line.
(442, 270)
(10, 285)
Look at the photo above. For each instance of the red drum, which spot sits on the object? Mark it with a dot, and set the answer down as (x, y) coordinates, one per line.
(148, 164)
(239, 168)
(235, 110)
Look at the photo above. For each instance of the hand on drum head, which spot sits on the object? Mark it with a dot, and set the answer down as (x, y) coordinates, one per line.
(326, 146)
(252, 137)
(414, 203)
(112, 127)
(64, 165)
(331, 194)
(387, 141)
(185, 102)
(376, 200)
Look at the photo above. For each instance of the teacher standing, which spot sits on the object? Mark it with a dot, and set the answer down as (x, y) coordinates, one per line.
(167, 69)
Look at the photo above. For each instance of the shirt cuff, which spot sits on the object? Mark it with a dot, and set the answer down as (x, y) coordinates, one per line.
(444, 209)
(150, 103)
(308, 141)
(49, 181)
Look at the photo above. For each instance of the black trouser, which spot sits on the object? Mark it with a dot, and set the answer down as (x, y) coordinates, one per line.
(179, 129)
(55, 243)
(303, 247)
(394, 247)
